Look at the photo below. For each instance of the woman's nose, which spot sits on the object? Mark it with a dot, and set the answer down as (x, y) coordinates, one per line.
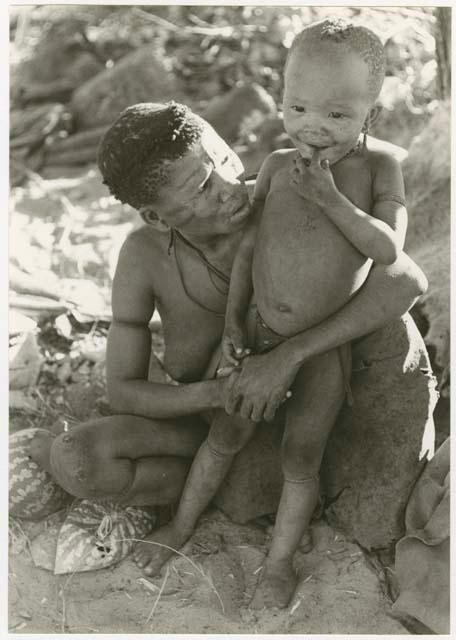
(226, 194)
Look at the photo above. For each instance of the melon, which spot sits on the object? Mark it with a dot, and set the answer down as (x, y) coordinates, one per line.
(33, 494)
(98, 534)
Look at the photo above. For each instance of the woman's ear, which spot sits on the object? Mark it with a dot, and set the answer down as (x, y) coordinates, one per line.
(373, 115)
(150, 217)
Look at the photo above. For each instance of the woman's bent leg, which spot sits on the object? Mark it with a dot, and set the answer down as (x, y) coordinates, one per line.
(129, 458)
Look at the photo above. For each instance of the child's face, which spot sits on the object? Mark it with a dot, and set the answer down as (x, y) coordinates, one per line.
(206, 192)
(326, 100)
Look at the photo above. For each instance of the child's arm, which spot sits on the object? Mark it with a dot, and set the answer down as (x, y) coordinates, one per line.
(234, 335)
(241, 287)
(379, 236)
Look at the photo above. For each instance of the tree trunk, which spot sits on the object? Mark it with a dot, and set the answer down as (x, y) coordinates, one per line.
(442, 34)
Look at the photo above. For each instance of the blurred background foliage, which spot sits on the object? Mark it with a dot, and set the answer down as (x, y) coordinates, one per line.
(207, 51)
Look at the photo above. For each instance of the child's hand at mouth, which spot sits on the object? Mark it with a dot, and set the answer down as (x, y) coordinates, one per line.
(312, 179)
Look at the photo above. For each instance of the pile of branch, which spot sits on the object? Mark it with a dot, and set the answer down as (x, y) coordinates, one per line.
(79, 148)
(30, 129)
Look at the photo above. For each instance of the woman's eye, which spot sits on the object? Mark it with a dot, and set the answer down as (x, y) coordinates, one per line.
(204, 186)
(336, 114)
(297, 108)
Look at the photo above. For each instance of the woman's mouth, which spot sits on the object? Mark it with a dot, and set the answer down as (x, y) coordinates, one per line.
(241, 213)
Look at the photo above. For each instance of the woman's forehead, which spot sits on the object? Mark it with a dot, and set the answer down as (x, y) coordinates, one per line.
(212, 143)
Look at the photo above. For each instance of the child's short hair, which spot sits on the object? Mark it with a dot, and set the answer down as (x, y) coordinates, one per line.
(356, 38)
(132, 153)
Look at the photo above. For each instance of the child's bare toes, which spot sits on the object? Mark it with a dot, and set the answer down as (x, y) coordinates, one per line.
(306, 545)
(151, 554)
(275, 587)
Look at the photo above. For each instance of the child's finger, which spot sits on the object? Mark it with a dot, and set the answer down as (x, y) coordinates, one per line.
(231, 358)
(315, 160)
(299, 164)
(287, 395)
(228, 351)
(222, 372)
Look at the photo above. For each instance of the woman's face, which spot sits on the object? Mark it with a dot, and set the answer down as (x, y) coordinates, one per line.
(205, 194)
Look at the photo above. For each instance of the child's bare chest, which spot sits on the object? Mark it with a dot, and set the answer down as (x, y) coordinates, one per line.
(288, 215)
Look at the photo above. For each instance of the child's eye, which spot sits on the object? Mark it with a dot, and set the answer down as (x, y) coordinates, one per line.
(297, 108)
(336, 114)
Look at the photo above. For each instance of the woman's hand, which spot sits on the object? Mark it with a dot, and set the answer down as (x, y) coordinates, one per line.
(259, 387)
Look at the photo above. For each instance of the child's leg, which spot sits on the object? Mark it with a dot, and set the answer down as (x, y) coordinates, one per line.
(318, 393)
(227, 436)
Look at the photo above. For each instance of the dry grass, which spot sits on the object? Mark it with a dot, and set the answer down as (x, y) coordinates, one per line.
(182, 555)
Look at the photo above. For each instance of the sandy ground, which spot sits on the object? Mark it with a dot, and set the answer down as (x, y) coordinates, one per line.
(207, 591)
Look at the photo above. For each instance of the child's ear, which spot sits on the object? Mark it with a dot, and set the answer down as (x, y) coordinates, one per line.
(373, 115)
(150, 217)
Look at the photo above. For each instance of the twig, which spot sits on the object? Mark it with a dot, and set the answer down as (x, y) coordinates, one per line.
(224, 32)
(412, 13)
(165, 579)
(62, 591)
(63, 623)
(179, 553)
(91, 47)
(17, 524)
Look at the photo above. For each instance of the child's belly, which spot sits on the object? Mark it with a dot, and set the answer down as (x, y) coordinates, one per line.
(304, 269)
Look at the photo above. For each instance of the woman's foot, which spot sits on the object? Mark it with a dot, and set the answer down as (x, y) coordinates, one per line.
(276, 586)
(157, 548)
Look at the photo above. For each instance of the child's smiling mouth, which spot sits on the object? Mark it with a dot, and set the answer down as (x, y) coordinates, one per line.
(308, 149)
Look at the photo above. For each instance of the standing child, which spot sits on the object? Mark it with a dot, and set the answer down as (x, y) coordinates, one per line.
(323, 213)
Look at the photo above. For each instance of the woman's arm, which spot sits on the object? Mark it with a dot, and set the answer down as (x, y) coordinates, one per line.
(129, 349)
(388, 293)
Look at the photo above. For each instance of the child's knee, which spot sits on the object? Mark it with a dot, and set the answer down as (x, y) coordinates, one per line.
(300, 457)
(230, 437)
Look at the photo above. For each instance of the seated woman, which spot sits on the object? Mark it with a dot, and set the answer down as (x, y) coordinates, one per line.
(189, 187)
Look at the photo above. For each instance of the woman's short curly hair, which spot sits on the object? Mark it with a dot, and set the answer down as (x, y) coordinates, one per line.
(133, 152)
(353, 37)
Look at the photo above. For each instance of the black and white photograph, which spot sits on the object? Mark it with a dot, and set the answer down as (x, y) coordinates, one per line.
(229, 319)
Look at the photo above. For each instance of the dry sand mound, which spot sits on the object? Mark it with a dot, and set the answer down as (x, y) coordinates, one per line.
(206, 592)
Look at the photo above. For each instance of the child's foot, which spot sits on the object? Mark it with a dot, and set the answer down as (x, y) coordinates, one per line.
(276, 586)
(306, 545)
(40, 449)
(150, 556)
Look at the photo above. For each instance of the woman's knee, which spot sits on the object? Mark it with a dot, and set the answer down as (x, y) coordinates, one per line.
(76, 461)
